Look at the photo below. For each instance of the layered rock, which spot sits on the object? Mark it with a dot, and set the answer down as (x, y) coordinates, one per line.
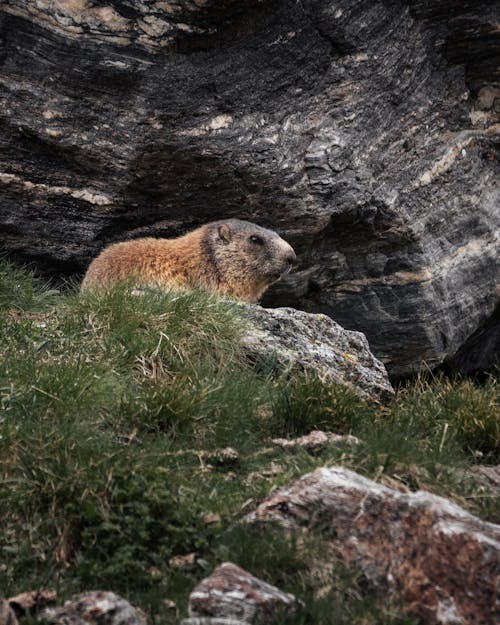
(364, 132)
(441, 562)
(481, 351)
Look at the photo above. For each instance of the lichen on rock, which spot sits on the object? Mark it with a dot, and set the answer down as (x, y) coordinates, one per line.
(316, 344)
(442, 562)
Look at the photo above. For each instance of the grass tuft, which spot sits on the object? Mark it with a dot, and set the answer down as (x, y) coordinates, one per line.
(306, 403)
(21, 291)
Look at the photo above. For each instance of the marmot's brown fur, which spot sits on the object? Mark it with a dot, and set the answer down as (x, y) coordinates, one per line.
(233, 257)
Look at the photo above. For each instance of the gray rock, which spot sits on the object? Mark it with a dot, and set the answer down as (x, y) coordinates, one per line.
(7, 616)
(365, 132)
(315, 441)
(486, 476)
(420, 550)
(232, 593)
(94, 608)
(481, 351)
(316, 343)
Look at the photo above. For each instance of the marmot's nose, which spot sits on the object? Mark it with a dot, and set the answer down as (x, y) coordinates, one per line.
(291, 258)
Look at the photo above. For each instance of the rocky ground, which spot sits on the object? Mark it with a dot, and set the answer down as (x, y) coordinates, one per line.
(421, 551)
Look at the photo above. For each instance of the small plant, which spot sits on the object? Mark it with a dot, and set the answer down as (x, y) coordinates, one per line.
(143, 520)
(459, 412)
(305, 402)
(20, 291)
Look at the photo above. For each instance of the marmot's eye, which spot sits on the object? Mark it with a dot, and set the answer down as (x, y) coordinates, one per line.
(257, 240)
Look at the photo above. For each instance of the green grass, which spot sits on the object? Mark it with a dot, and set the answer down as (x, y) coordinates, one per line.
(19, 292)
(107, 404)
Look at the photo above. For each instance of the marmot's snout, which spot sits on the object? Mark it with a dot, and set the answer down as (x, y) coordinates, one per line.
(286, 266)
(287, 257)
(290, 259)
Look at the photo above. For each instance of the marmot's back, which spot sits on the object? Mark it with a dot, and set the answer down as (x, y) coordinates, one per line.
(232, 257)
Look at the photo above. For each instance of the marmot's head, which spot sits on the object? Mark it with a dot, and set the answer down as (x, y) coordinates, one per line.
(247, 258)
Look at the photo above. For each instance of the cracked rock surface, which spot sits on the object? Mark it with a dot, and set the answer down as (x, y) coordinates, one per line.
(440, 561)
(317, 344)
(365, 133)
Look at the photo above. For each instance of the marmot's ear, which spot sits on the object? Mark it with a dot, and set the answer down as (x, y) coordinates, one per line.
(224, 233)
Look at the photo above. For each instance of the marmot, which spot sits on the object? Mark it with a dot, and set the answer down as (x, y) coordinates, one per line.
(233, 257)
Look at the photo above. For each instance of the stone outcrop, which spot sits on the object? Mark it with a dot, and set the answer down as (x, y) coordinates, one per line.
(441, 562)
(232, 593)
(366, 133)
(316, 343)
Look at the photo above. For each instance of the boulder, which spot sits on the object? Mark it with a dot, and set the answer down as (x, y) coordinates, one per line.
(441, 562)
(315, 343)
(366, 133)
(7, 615)
(232, 593)
(94, 608)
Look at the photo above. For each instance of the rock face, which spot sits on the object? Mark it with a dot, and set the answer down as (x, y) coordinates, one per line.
(366, 133)
(481, 351)
(316, 343)
(442, 562)
(232, 593)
